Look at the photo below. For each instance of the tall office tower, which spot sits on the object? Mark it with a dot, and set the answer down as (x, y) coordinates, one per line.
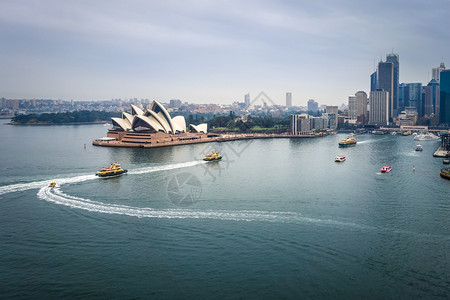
(373, 81)
(393, 58)
(386, 83)
(332, 113)
(313, 105)
(435, 72)
(361, 107)
(379, 107)
(432, 98)
(352, 107)
(288, 99)
(247, 100)
(414, 97)
(444, 113)
(401, 97)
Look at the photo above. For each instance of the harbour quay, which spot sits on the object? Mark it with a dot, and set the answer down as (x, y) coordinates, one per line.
(161, 139)
(444, 149)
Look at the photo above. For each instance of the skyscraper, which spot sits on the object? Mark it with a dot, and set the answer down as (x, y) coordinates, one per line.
(414, 96)
(435, 72)
(247, 100)
(432, 96)
(379, 107)
(401, 97)
(385, 80)
(361, 107)
(352, 107)
(393, 58)
(444, 114)
(373, 81)
(288, 99)
(332, 114)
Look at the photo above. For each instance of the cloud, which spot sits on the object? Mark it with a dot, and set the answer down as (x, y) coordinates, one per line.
(270, 44)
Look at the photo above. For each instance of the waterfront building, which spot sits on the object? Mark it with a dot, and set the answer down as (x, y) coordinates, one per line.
(332, 114)
(288, 99)
(444, 112)
(436, 72)
(152, 120)
(408, 117)
(394, 59)
(319, 122)
(379, 107)
(445, 138)
(300, 124)
(432, 97)
(313, 105)
(361, 107)
(385, 81)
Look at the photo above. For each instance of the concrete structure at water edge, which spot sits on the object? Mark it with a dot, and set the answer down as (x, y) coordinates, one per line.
(154, 127)
(150, 128)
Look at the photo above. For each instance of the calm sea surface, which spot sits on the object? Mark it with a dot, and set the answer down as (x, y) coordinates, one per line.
(275, 219)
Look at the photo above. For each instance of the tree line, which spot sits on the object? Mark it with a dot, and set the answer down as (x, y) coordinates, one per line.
(252, 123)
(82, 116)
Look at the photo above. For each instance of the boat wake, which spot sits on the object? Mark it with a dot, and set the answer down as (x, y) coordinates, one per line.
(84, 177)
(55, 195)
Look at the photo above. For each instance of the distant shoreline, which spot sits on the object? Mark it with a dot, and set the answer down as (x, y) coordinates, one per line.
(55, 124)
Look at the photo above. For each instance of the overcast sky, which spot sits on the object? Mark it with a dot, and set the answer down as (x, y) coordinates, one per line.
(214, 51)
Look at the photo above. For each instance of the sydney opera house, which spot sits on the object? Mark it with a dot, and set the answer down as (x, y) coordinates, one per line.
(152, 128)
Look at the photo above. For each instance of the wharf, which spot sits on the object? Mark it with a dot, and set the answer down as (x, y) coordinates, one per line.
(156, 140)
(441, 152)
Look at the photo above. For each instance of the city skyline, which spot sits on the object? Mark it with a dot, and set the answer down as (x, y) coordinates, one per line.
(214, 52)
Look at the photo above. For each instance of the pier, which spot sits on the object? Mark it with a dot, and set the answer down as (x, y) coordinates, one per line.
(159, 139)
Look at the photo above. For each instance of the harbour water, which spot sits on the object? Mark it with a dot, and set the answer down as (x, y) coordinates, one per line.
(274, 219)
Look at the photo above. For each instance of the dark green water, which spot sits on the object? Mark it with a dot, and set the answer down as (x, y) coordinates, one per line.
(274, 219)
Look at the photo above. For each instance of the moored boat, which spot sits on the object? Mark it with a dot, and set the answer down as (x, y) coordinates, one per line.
(339, 158)
(445, 173)
(385, 169)
(347, 142)
(114, 170)
(214, 156)
(419, 148)
(426, 137)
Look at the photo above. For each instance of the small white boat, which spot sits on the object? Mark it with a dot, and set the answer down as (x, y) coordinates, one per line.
(419, 148)
(385, 169)
(339, 158)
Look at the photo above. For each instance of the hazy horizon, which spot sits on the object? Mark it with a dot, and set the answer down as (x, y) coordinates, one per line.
(214, 52)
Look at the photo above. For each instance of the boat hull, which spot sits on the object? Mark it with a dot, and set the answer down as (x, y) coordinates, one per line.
(111, 174)
(445, 173)
(212, 159)
(346, 144)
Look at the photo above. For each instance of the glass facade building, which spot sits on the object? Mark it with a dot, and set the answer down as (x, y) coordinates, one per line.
(444, 114)
(393, 58)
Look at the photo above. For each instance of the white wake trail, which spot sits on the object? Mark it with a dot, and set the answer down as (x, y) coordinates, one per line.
(84, 177)
(55, 195)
